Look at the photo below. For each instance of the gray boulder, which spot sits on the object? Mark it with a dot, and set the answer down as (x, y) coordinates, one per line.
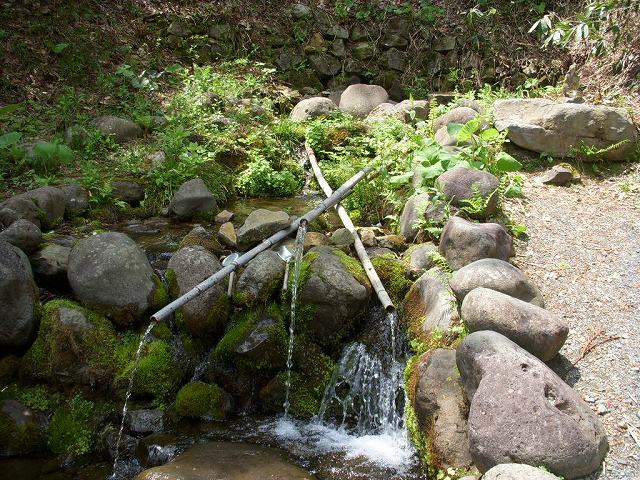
(542, 125)
(121, 129)
(361, 99)
(18, 297)
(522, 412)
(192, 198)
(363, 50)
(110, 273)
(441, 409)
(18, 207)
(7, 217)
(129, 192)
(463, 242)
(462, 185)
(405, 111)
(535, 329)
(458, 115)
(44, 207)
(22, 234)
(517, 471)
(260, 224)
(418, 257)
(444, 138)
(145, 421)
(261, 279)
(412, 214)
(342, 236)
(430, 307)
(325, 65)
(497, 275)
(206, 314)
(51, 262)
(336, 290)
(312, 108)
(76, 199)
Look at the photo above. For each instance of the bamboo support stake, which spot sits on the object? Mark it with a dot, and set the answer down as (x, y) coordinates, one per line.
(369, 269)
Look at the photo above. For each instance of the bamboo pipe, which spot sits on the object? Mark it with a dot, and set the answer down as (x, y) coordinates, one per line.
(369, 269)
(330, 201)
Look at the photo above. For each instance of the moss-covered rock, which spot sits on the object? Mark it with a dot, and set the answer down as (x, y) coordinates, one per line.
(200, 237)
(393, 274)
(19, 430)
(72, 428)
(202, 400)
(74, 345)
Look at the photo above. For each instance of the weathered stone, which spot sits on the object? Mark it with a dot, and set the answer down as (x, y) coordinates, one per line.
(22, 234)
(145, 421)
(121, 129)
(200, 236)
(517, 471)
(379, 252)
(392, 242)
(220, 31)
(441, 409)
(156, 449)
(7, 217)
(472, 104)
(223, 217)
(314, 239)
(341, 236)
(535, 329)
(459, 115)
(463, 242)
(325, 65)
(312, 108)
(444, 44)
(363, 51)
(110, 273)
(44, 207)
(261, 278)
(338, 48)
(418, 257)
(20, 434)
(393, 40)
(541, 125)
(51, 262)
(129, 192)
(462, 185)
(193, 197)
(179, 29)
(315, 44)
(300, 11)
(76, 199)
(368, 238)
(360, 99)
(289, 58)
(394, 59)
(227, 235)
(260, 224)
(419, 107)
(412, 215)
(18, 297)
(206, 314)
(497, 275)
(444, 138)
(523, 412)
(557, 175)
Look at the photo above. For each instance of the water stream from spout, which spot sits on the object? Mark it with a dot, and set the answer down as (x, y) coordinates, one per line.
(297, 267)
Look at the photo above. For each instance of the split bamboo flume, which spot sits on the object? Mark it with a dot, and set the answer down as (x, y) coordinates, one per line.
(344, 190)
(385, 300)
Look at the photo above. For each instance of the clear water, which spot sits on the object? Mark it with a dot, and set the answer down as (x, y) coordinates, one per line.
(297, 267)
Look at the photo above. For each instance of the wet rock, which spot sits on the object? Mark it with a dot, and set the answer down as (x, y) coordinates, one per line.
(412, 215)
(145, 421)
(262, 277)
(205, 401)
(542, 125)
(312, 108)
(156, 449)
(199, 236)
(337, 291)
(462, 185)
(124, 448)
(18, 297)
(228, 460)
(459, 115)
(341, 236)
(192, 198)
(523, 412)
(206, 314)
(76, 199)
(110, 273)
(497, 275)
(20, 434)
(44, 207)
(418, 257)
(557, 175)
(227, 235)
(535, 329)
(223, 217)
(260, 224)
(361, 99)
(463, 242)
(129, 192)
(430, 306)
(22, 234)
(441, 409)
(121, 129)
(517, 471)
(314, 239)
(51, 262)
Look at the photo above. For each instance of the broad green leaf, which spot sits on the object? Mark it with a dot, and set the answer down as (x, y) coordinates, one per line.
(489, 134)
(401, 179)
(432, 171)
(506, 163)
(9, 139)
(468, 130)
(59, 47)
(65, 154)
(8, 109)
(454, 129)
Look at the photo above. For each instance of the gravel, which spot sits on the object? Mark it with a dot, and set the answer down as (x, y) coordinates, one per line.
(583, 252)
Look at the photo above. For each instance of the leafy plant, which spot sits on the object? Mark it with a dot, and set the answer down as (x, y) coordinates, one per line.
(46, 157)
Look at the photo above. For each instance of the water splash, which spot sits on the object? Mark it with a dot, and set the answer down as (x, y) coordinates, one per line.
(297, 267)
(116, 473)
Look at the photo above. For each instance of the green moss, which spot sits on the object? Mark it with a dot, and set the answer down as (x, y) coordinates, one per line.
(71, 429)
(159, 295)
(416, 434)
(19, 439)
(161, 331)
(201, 400)
(354, 267)
(208, 243)
(172, 281)
(392, 273)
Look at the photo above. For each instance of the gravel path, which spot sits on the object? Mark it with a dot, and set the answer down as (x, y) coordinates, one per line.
(583, 251)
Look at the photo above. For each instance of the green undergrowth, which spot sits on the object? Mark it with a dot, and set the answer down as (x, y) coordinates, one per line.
(200, 400)
(72, 428)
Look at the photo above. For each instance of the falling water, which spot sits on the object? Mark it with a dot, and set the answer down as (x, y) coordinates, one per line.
(297, 267)
(143, 341)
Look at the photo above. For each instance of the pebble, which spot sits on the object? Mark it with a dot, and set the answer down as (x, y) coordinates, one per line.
(602, 409)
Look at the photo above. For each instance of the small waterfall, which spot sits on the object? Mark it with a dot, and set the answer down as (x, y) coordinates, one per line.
(115, 474)
(297, 267)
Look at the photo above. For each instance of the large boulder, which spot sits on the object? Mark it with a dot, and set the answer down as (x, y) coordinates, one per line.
(260, 224)
(228, 461)
(459, 115)
(51, 263)
(20, 432)
(542, 125)
(517, 471)
(22, 234)
(110, 274)
(535, 329)
(44, 207)
(430, 307)
(412, 214)
(419, 257)
(361, 99)
(462, 185)
(206, 314)
(497, 275)
(441, 409)
(121, 129)
(522, 412)
(192, 198)
(334, 292)
(76, 199)
(312, 108)
(463, 242)
(18, 297)
(261, 279)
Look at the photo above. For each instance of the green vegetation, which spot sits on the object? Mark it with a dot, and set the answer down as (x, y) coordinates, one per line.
(71, 429)
(201, 400)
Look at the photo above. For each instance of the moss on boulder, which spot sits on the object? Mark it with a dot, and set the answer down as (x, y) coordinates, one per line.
(393, 274)
(202, 400)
